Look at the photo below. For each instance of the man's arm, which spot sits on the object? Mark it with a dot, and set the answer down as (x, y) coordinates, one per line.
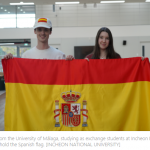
(8, 56)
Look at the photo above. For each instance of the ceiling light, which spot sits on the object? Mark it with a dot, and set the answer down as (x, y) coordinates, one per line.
(21, 3)
(18, 7)
(1, 7)
(147, 1)
(8, 12)
(5, 10)
(66, 3)
(24, 12)
(112, 1)
(21, 10)
(6, 43)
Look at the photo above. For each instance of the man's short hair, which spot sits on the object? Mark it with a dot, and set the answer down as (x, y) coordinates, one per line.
(49, 29)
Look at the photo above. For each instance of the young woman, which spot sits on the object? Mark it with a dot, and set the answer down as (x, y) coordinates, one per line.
(104, 48)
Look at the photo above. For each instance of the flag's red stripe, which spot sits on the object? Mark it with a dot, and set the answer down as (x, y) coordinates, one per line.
(42, 21)
(64, 72)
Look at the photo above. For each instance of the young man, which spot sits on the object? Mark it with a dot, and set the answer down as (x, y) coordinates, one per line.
(42, 29)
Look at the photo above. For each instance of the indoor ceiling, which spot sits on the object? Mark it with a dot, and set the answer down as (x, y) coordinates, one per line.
(44, 2)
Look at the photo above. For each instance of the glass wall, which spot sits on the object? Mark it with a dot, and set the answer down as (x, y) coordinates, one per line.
(16, 50)
(5, 50)
(17, 16)
(7, 17)
(22, 49)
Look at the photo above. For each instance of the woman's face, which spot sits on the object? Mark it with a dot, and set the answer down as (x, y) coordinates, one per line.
(103, 40)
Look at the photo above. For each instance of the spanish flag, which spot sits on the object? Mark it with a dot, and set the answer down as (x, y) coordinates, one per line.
(77, 95)
(42, 20)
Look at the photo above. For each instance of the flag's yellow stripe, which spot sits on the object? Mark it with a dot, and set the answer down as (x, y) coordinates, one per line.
(110, 107)
(43, 19)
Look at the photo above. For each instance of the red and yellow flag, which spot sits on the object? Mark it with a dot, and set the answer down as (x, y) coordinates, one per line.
(60, 95)
(42, 20)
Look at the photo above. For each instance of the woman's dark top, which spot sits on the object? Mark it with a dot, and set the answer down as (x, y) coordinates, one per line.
(90, 56)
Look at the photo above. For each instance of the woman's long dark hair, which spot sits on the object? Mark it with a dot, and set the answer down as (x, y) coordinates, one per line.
(110, 49)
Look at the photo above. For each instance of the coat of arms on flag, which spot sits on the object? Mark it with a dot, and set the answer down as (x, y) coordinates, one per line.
(71, 111)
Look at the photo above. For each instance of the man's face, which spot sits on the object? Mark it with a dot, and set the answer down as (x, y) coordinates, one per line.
(42, 34)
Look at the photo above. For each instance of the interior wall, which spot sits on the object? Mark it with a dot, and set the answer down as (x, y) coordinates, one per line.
(67, 38)
(131, 49)
(90, 15)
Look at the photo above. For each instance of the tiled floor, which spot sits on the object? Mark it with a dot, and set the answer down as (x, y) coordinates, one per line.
(2, 107)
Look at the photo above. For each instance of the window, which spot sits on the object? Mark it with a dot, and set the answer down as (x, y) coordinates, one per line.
(22, 49)
(5, 50)
(17, 16)
(14, 46)
(7, 17)
(25, 16)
